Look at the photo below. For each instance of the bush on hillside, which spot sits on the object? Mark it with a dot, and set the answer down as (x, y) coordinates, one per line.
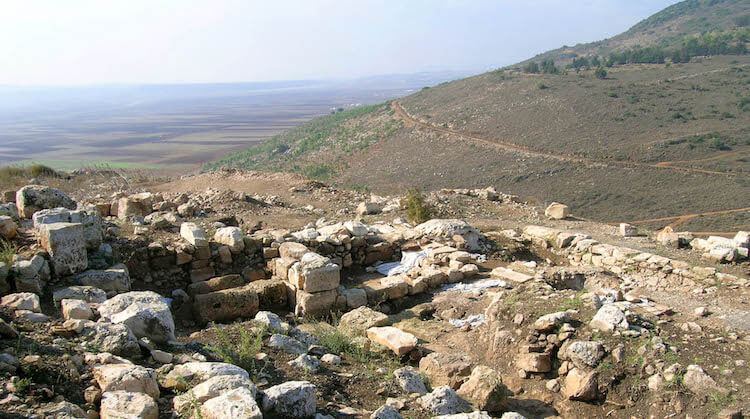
(417, 211)
(600, 73)
(531, 68)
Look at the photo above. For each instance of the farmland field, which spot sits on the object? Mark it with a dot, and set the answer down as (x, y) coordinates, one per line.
(174, 128)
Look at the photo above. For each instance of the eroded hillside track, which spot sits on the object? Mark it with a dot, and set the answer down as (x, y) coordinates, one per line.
(511, 147)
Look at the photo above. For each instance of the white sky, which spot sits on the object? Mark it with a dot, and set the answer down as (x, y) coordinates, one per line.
(170, 41)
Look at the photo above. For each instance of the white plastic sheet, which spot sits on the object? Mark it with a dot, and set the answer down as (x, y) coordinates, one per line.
(409, 260)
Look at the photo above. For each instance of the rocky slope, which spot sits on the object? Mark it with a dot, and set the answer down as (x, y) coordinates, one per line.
(274, 296)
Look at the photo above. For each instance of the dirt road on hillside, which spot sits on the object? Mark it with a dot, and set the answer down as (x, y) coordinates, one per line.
(506, 146)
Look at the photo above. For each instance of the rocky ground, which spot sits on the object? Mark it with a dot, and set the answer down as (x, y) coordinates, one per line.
(241, 294)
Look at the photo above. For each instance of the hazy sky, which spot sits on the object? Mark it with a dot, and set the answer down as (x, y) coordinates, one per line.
(170, 41)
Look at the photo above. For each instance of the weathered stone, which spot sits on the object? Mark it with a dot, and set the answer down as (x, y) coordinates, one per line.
(232, 237)
(287, 344)
(272, 293)
(124, 404)
(76, 309)
(315, 273)
(534, 362)
(272, 322)
(216, 284)
(442, 401)
(66, 246)
(181, 376)
(357, 321)
(33, 198)
(410, 381)
(557, 211)
(581, 385)
(293, 251)
(226, 305)
(445, 369)
(549, 322)
(385, 412)
(193, 234)
(83, 293)
(212, 387)
(237, 403)
(609, 318)
(115, 279)
(484, 389)
(316, 304)
(447, 229)
(146, 313)
(697, 381)
(8, 227)
(293, 399)
(627, 230)
(116, 339)
(510, 275)
(126, 377)
(305, 362)
(355, 297)
(583, 353)
(400, 342)
(21, 301)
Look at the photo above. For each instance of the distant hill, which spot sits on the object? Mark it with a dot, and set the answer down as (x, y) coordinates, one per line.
(667, 29)
(620, 143)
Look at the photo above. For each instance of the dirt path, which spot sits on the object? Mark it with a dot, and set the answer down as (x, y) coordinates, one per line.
(720, 156)
(403, 114)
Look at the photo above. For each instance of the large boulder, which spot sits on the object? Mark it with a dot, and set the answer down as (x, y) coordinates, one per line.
(400, 342)
(557, 211)
(583, 353)
(410, 381)
(66, 246)
(114, 279)
(88, 217)
(581, 385)
(357, 321)
(445, 369)
(237, 403)
(225, 305)
(33, 198)
(232, 237)
(31, 275)
(293, 399)
(609, 318)
(8, 227)
(182, 376)
(116, 339)
(146, 313)
(84, 293)
(140, 204)
(315, 273)
(126, 377)
(292, 250)
(213, 387)
(449, 228)
(442, 401)
(125, 404)
(194, 234)
(21, 301)
(484, 389)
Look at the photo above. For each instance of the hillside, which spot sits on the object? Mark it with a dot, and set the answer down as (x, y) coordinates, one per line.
(645, 142)
(666, 29)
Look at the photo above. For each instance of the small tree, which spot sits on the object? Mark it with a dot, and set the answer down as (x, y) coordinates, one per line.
(601, 73)
(417, 211)
(531, 68)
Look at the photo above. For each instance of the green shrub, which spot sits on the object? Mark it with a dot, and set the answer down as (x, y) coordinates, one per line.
(531, 68)
(240, 353)
(417, 211)
(600, 73)
(541, 86)
(7, 251)
(339, 343)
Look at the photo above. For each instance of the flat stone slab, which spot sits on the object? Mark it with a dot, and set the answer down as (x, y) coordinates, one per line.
(511, 275)
(400, 342)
